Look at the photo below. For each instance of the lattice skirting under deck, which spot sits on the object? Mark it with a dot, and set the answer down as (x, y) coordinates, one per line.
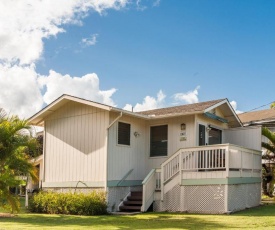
(214, 199)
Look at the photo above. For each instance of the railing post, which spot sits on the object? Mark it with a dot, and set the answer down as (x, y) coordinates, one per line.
(241, 163)
(180, 167)
(162, 182)
(227, 163)
(252, 171)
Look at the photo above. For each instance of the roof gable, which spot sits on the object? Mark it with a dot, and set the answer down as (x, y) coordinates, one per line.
(39, 117)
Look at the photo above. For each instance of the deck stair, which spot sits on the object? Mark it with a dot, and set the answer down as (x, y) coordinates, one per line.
(132, 203)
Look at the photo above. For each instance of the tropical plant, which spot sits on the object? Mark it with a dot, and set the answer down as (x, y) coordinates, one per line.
(272, 105)
(15, 143)
(268, 175)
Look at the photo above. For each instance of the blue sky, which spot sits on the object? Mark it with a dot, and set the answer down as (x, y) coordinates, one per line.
(208, 48)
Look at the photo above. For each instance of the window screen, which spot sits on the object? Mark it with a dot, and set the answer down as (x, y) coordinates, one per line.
(158, 140)
(215, 136)
(124, 131)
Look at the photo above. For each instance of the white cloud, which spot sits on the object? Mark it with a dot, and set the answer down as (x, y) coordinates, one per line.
(234, 106)
(148, 103)
(91, 41)
(86, 87)
(156, 3)
(189, 97)
(24, 24)
(19, 92)
(140, 6)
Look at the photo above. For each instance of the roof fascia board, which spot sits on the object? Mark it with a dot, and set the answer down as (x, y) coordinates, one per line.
(69, 98)
(230, 107)
(215, 106)
(148, 117)
(87, 102)
(259, 122)
(175, 115)
(130, 113)
(46, 109)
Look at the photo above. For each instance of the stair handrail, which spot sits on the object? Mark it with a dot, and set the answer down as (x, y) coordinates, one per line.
(126, 175)
(148, 189)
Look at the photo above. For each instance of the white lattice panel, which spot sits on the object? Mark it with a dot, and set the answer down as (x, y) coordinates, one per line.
(243, 196)
(157, 207)
(236, 197)
(171, 201)
(204, 198)
(253, 195)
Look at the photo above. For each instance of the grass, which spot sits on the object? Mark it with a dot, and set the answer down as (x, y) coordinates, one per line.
(257, 218)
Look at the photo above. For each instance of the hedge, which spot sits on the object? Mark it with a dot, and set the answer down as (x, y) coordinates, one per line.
(93, 203)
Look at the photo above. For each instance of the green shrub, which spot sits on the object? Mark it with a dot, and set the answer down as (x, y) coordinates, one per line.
(93, 203)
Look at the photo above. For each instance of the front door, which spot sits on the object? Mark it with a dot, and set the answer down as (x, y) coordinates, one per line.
(201, 134)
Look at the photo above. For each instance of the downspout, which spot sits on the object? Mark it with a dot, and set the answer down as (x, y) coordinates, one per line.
(44, 153)
(108, 128)
(120, 115)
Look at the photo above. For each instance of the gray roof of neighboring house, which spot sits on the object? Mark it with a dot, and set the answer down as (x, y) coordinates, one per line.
(266, 116)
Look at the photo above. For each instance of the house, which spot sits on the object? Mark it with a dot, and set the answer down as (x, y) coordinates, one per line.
(260, 117)
(195, 158)
(265, 118)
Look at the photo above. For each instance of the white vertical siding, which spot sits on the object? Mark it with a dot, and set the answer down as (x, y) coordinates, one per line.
(174, 143)
(121, 159)
(76, 144)
(249, 137)
(201, 119)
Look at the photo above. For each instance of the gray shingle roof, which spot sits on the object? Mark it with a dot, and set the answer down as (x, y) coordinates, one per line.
(182, 109)
(256, 116)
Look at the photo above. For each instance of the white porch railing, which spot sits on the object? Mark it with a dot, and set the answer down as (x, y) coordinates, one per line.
(158, 179)
(149, 186)
(212, 161)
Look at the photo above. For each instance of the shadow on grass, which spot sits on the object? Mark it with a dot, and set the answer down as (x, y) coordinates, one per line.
(142, 221)
(263, 210)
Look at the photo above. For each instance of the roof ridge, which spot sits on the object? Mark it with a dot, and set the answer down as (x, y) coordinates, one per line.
(180, 106)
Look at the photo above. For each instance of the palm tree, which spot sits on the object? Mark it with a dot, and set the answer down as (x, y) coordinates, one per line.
(269, 155)
(15, 143)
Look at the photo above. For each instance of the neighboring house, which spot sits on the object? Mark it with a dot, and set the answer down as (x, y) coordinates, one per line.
(265, 118)
(260, 117)
(195, 158)
(33, 186)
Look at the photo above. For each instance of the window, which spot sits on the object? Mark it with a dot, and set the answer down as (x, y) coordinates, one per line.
(215, 136)
(158, 140)
(124, 131)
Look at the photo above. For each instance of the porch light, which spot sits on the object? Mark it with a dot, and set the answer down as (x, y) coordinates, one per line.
(208, 128)
(136, 134)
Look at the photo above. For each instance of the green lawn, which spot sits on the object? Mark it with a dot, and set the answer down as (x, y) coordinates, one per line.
(257, 218)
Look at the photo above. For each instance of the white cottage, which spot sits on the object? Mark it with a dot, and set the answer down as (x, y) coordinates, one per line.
(195, 158)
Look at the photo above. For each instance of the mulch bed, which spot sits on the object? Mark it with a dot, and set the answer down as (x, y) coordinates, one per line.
(6, 215)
